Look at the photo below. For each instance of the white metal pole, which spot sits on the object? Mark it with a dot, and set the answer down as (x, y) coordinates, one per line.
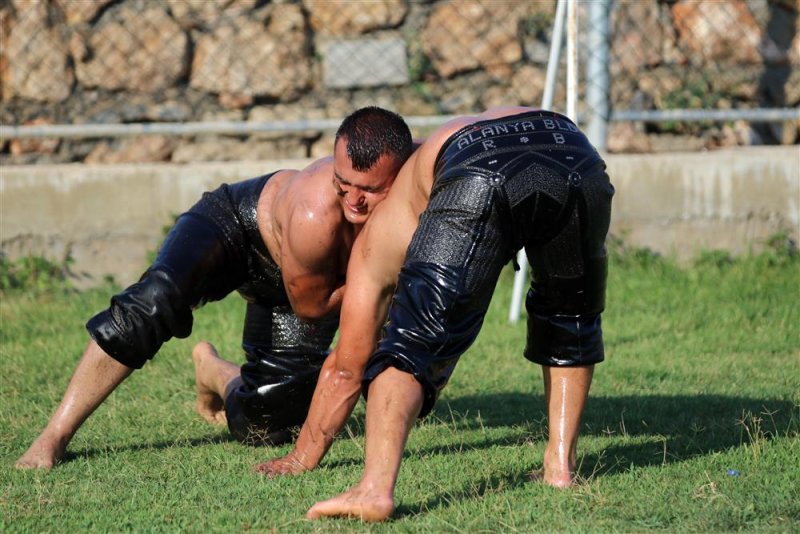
(521, 276)
(597, 81)
(556, 43)
(572, 60)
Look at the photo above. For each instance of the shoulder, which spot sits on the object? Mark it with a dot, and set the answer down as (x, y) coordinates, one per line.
(310, 196)
(319, 167)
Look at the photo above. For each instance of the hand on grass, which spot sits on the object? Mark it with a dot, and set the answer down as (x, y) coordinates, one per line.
(286, 465)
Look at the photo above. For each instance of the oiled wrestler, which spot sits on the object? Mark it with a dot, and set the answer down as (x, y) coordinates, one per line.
(283, 241)
(479, 189)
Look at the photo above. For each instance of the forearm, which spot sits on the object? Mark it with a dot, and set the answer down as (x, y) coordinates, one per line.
(335, 397)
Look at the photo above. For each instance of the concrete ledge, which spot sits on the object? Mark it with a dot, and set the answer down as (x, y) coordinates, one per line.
(681, 203)
(108, 217)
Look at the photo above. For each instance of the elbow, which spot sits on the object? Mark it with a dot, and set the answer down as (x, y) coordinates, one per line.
(314, 304)
(309, 311)
(347, 382)
(345, 376)
(343, 372)
(309, 315)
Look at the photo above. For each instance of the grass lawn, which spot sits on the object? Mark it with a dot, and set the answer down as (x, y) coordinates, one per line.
(693, 422)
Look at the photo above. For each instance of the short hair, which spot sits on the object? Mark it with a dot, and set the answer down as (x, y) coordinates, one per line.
(371, 132)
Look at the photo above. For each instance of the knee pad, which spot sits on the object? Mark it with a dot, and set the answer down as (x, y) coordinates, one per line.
(141, 319)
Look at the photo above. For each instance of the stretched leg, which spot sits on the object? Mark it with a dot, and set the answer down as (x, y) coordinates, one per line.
(95, 377)
(565, 391)
(395, 400)
(214, 378)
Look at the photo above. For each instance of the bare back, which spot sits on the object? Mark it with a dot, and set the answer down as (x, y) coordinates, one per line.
(377, 256)
(389, 231)
(380, 250)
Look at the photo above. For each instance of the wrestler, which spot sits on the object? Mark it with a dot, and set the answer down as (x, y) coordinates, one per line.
(283, 241)
(479, 189)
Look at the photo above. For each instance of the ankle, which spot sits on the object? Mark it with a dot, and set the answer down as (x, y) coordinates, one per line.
(556, 458)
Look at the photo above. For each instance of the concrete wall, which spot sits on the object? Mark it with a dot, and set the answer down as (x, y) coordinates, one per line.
(108, 217)
(681, 203)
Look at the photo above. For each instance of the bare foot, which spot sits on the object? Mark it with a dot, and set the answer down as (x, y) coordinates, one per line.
(210, 404)
(355, 503)
(286, 465)
(554, 473)
(538, 475)
(44, 453)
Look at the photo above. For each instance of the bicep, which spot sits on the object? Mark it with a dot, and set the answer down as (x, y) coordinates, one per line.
(308, 261)
(311, 266)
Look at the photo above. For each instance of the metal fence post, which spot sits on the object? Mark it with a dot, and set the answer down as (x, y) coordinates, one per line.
(597, 81)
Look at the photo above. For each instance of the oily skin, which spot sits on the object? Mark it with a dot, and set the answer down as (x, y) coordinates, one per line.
(216, 377)
(395, 399)
(395, 396)
(96, 376)
(308, 232)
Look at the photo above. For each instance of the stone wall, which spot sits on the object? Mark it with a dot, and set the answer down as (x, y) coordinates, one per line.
(118, 61)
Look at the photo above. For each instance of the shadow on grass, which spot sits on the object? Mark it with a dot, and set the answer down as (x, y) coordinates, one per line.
(477, 491)
(159, 445)
(677, 428)
(707, 422)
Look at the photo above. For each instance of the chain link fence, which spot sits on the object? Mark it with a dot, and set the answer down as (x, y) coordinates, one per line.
(84, 80)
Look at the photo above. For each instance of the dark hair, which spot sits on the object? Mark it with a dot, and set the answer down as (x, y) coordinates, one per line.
(371, 132)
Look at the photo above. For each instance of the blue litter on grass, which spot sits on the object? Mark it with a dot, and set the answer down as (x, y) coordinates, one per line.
(733, 472)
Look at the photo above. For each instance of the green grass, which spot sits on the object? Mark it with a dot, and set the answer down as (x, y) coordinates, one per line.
(702, 376)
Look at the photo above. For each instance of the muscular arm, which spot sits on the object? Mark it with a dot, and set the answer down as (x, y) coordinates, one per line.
(310, 262)
(372, 273)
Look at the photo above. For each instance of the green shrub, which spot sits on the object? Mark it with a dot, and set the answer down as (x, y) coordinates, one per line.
(620, 253)
(714, 258)
(780, 249)
(34, 273)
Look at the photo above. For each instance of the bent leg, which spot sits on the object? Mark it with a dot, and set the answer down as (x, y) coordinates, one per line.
(95, 377)
(566, 390)
(395, 400)
(214, 379)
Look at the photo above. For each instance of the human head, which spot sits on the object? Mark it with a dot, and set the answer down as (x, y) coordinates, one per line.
(371, 145)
